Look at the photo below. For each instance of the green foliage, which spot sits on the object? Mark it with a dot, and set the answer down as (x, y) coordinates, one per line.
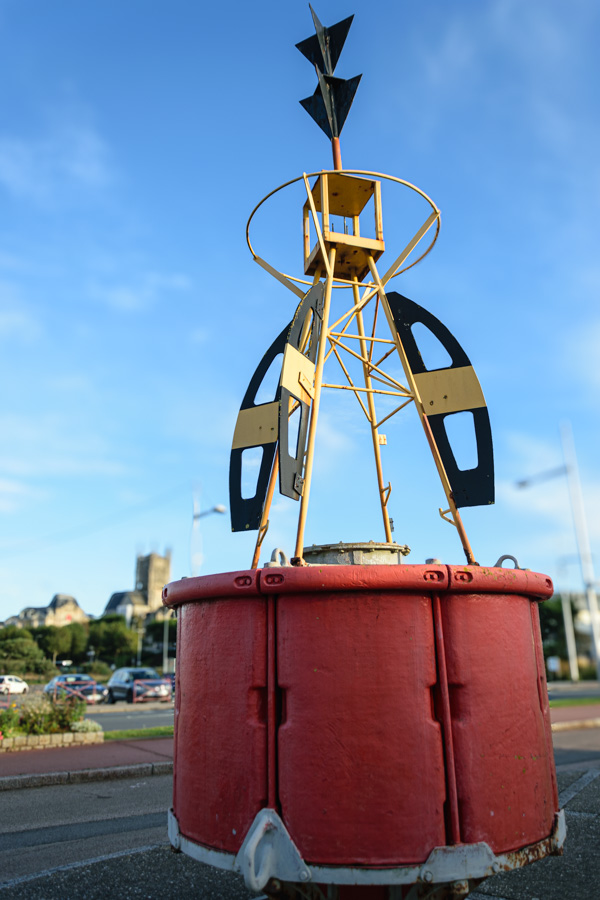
(85, 726)
(111, 638)
(44, 667)
(9, 720)
(28, 668)
(573, 701)
(587, 673)
(135, 734)
(53, 640)
(20, 648)
(12, 667)
(111, 619)
(20, 653)
(35, 650)
(553, 627)
(79, 640)
(11, 632)
(155, 631)
(41, 716)
(97, 669)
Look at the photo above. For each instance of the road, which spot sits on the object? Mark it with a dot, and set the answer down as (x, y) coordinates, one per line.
(108, 839)
(119, 718)
(45, 827)
(98, 840)
(580, 690)
(577, 749)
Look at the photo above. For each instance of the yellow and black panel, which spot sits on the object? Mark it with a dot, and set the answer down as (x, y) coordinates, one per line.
(297, 381)
(447, 392)
(256, 427)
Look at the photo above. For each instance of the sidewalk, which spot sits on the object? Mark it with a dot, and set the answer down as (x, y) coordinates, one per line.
(567, 718)
(96, 762)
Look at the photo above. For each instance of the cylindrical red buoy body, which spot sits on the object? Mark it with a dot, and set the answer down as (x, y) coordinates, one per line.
(380, 711)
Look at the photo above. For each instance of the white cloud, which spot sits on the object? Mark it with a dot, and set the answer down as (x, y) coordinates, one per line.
(13, 494)
(199, 336)
(452, 58)
(582, 353)
(40, 446)
(545, 503)
(142, 293)
(530, 454)
(537, 47)
(75, 383)
(335, 439)
(46, 170)
(17, 322)
(535, 32)
(87, 159)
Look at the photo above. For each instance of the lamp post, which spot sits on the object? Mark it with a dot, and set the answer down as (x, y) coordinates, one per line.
(140, 632)
(165, 665)
(195, 558)
(196, 538)
(582, 536)
(565, 601)
(571, 470)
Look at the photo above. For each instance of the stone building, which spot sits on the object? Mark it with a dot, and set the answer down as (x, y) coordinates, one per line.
(129, 604)
(62, 610)
(152, 572)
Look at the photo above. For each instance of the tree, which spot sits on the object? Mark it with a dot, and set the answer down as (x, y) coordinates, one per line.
(111, 638)
(9, 632)
(552, 625)
(19, 653)
(79, 640)
(54, 640)
(155, 631)
(23, 649)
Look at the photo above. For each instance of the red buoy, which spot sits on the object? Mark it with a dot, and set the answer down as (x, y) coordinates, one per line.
(379, 714)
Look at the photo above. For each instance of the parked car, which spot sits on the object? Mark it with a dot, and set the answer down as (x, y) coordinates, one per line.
(10, 684)
(79, 687)
(137, 683)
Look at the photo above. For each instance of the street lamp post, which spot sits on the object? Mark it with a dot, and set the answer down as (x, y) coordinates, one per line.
(582, 540)
(581, 536)
(565, 601)
(195, 558)
(166, 642)
(196, 538)
(140, 633)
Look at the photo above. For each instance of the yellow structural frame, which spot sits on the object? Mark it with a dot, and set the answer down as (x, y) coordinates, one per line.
(371, 351)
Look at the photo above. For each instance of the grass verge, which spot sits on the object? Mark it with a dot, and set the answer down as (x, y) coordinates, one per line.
(136, 734)
(576, 701)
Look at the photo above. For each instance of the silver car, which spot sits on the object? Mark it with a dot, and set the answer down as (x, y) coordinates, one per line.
(137, 683)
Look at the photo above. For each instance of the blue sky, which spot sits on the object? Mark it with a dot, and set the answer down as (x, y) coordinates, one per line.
(135, 139)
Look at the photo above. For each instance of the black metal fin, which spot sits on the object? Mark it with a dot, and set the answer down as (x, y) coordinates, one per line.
(323, 49)
(254, 423)
(330, 104)
(458, 392)
(298, 370)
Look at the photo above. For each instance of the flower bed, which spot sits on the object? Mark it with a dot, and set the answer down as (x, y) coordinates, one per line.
(40, 723)
(44, 741)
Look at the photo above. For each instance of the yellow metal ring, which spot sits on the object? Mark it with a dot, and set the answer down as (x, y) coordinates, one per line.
(341, 281)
